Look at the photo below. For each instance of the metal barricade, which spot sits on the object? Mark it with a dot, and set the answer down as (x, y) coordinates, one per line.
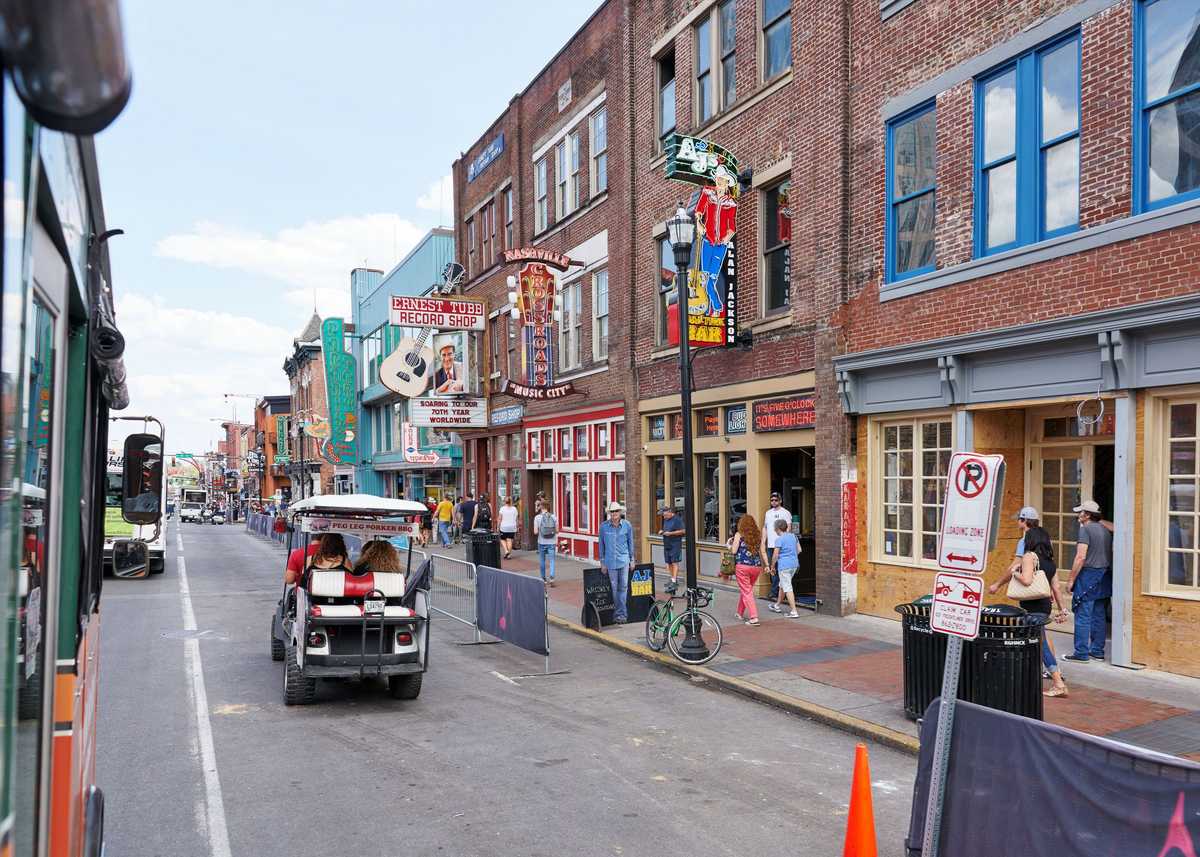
(453, 590)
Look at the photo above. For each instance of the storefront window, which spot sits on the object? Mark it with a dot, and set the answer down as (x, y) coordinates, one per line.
(602, 440)
(501, 448)
(514, 486)
(658, 428)
(659, 489)
(585, 518)
(600, 480)
(618, 439)
(501, 484)
(710, 485)
(618, 487)
(1183, 489)
(535, 447)
(916, 456)
(565, 504)
(677, 484)
(737, 488)
(708, 422)
(676, 423)
(514, 447)
(548, 446)
(564, 443)
(581, 442)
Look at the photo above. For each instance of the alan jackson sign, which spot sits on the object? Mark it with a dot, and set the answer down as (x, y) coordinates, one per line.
(536, 303)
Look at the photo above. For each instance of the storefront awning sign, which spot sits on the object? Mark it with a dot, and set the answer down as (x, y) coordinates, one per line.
(511, 415)
(784, 414)
(439, 313)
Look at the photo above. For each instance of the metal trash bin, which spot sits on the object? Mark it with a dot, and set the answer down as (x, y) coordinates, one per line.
(483, 547)
(1001, 669)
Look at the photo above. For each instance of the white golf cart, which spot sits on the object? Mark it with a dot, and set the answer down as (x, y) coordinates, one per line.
(335, 624)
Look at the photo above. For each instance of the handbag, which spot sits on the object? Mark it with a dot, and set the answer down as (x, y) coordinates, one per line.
(1039, 587)
(727, 564)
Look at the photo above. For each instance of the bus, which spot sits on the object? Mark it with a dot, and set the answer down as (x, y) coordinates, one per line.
(64, 78)
(115, 525)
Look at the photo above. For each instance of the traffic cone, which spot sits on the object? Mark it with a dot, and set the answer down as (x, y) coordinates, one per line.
(860, 824)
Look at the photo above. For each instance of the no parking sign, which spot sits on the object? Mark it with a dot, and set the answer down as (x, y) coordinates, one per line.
(969, 518)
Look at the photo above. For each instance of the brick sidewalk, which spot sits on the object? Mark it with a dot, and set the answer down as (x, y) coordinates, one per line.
(853, 665)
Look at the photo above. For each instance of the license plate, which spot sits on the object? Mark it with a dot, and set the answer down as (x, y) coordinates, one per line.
(373, 605)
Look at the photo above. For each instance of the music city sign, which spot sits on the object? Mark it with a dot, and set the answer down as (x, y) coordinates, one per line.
(535, 302)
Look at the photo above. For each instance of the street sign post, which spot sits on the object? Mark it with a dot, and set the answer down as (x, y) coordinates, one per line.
(974, 483)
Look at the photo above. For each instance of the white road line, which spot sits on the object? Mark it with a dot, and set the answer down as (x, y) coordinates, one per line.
(503, 677)
(214, 804)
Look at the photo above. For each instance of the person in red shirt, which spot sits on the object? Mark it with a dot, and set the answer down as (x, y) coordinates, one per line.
(296, 560)
(716, 216)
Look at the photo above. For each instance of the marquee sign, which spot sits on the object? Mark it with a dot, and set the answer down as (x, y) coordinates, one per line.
(443, 412)
(437, 312)
(712, 280)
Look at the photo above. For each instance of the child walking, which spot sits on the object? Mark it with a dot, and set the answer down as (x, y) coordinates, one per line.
(784, 564)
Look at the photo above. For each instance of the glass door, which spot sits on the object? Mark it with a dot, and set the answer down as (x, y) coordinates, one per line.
(1063, 477)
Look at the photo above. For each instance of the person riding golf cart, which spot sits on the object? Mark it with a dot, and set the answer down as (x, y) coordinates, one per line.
(338, 623)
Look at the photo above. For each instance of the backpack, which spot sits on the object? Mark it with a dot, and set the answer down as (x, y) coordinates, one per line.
(483, 515)
(548, 527)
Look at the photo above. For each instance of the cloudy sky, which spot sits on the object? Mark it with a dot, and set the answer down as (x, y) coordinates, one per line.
(271, 147)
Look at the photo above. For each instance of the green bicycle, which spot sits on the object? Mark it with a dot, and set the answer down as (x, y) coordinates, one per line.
(667, 629)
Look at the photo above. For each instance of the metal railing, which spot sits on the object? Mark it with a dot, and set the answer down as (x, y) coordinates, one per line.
(452, 593)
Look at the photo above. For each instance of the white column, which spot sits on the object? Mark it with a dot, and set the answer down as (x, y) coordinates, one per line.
(1124, 474)
(964, 430)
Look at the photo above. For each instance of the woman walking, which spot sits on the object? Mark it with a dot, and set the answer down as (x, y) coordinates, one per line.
(748, 561)
(508, 526)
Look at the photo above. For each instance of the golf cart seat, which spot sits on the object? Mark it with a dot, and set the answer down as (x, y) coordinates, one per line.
(339, 594)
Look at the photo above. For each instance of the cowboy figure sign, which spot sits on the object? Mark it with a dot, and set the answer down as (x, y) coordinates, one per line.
(716, 223)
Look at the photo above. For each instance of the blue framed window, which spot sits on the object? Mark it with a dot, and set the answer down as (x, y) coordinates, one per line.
(911, 193)
(1027, 148)
(1166, 143)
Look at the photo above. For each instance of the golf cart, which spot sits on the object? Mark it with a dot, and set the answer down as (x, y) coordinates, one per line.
(335, 624)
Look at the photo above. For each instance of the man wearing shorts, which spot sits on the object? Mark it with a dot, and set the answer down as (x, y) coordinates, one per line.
(784, 563)
(672, 536)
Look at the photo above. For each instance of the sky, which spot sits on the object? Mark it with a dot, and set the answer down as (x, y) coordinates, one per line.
(270, 147)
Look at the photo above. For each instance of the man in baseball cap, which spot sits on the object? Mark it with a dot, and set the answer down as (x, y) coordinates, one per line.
(1090, 583)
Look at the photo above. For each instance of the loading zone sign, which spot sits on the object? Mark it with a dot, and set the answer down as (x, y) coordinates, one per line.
(969, 517)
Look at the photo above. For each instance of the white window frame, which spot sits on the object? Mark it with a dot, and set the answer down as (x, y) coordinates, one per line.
(569, 330)
(600, 320)
(471, 246)
(876, 489)
(541, 213)
(560, 180)
(762, 45)
(766, 252)
(1156, 484)
(509, 236)
(575, 156)
(598, 153)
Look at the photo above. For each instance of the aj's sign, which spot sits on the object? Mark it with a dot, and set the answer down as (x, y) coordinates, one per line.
(712, 277)
(535, 301)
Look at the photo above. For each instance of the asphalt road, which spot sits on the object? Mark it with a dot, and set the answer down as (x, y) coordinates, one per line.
(617, 757)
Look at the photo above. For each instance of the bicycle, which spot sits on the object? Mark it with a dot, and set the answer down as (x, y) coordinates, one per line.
(667, 629)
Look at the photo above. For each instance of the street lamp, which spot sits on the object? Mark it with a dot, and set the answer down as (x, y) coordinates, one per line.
(681, 231)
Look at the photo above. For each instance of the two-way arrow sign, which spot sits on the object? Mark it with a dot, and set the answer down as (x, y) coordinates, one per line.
(952, 557)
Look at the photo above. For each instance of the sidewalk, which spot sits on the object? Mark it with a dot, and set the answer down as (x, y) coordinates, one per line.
(852, 667)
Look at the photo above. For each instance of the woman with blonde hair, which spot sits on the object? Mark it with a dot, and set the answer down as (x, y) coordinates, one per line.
(379, 556)
(748, 561)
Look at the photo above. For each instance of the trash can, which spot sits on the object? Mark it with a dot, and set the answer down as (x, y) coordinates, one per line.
(483, 548)
(1001, 669)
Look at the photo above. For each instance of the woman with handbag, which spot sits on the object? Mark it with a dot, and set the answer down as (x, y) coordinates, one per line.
(1031, 584)
(749, 560)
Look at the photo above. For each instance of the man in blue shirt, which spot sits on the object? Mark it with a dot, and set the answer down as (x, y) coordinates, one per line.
(672, 535)
(616, 557)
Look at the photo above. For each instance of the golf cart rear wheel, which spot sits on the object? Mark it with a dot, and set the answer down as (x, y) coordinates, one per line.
(277, 649)
(298, 689)
(405, 686)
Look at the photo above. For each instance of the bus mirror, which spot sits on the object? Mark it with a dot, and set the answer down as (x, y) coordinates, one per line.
(130, 558)
(142, 479)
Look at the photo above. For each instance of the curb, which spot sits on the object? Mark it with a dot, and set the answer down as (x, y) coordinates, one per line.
(830, 717)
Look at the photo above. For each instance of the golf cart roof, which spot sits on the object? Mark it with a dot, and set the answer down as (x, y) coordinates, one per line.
(364, 505)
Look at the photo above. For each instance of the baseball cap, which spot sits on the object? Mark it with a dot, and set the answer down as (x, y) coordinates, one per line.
(1088, 506)
(1028, 513)
(775, 495)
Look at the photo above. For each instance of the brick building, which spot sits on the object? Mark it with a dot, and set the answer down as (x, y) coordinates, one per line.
(268, 478)
(548, 174)
(1023, 213)
(308, 472)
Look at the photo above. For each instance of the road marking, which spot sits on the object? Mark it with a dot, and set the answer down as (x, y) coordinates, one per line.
(503, 677)
(214, 804)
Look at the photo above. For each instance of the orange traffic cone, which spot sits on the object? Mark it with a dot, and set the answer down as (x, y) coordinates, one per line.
(860, 824)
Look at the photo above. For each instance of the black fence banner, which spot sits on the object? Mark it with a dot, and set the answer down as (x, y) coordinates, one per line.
(511, 607)
(1022, 788)
(598, 605)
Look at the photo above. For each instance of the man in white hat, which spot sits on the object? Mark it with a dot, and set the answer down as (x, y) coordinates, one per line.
(1090, 583)
(616, 557)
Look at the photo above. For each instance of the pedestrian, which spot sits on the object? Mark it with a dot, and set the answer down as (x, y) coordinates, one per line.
(785, 560)
(508, 526)
(466, 513)
(445, 514)
(483, 514)
(1036, 551)
(1090, 583)
(672, 535)
(770, 535)
(616, 557)
(546, 527)
(749, 559)
(427, 521)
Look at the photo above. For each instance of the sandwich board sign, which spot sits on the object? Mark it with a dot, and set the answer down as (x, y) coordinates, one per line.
(969, 517)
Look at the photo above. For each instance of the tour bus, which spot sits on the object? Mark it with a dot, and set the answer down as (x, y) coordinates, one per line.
(115, 525)
(64, 78)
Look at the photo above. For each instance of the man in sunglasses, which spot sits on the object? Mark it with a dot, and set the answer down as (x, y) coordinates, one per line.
(770, 536)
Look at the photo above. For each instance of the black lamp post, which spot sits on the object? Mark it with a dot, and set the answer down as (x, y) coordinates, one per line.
(681, 231)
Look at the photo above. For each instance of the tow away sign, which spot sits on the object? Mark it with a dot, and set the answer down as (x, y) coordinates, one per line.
(957, 602)
(969, 517)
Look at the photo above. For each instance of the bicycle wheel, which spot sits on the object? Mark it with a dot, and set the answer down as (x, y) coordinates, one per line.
(658, 623)
(709, 629)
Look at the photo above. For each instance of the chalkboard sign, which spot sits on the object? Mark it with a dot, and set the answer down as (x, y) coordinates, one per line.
(641, 592)
(597, 599)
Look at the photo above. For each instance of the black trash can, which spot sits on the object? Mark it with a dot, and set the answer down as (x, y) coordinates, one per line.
(483, 548)
(1001, 669)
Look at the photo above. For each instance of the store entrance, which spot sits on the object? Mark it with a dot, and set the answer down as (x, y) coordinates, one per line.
(540, 482)
(793, 475)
